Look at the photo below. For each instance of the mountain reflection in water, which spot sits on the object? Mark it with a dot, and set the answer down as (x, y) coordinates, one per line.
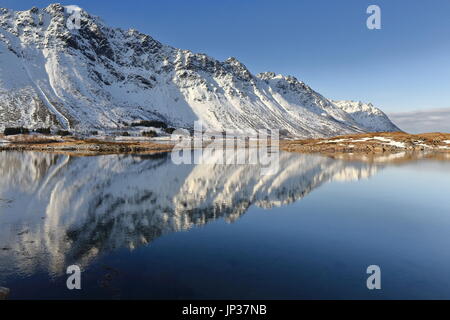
(57, 210)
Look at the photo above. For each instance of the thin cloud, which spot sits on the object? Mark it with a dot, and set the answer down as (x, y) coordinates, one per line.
(435, 120)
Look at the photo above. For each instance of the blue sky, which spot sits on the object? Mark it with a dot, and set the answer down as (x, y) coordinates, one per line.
(404, 66)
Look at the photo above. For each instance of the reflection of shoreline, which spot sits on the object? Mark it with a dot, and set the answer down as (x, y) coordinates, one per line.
(73, 208)
(390, 158)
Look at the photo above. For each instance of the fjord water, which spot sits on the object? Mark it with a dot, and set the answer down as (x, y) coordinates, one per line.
(141, 227)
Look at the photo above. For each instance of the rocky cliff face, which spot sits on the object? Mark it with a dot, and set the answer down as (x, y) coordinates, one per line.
(101, 77)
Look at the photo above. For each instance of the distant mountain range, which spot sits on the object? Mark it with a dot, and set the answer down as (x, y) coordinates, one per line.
(103, 78)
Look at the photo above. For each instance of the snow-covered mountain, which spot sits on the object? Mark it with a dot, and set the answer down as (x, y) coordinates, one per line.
(98, 77)
(366, 115)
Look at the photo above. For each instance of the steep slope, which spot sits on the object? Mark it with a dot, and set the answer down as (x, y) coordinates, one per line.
(104, 78)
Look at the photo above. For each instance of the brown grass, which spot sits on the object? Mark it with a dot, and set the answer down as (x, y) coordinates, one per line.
(82, 147)
(412, 142)
(329, 146)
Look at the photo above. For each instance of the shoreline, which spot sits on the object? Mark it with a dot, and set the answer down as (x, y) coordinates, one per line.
(368, 143)
(374, 142)
(80, 147)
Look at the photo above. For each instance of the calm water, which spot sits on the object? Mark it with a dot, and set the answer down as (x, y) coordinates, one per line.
(143, 228)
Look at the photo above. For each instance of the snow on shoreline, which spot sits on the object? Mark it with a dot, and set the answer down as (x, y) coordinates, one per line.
(410, 144)
(369, 139)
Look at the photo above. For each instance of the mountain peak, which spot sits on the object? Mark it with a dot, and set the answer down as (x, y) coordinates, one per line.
(55, 9)
(367, 115)
(238, 68)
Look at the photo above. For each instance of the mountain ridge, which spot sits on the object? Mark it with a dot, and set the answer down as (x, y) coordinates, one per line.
(98, 77)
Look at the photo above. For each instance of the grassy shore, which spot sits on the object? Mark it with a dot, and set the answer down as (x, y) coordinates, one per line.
(378, 142)
(77, 146)
(370, 143)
